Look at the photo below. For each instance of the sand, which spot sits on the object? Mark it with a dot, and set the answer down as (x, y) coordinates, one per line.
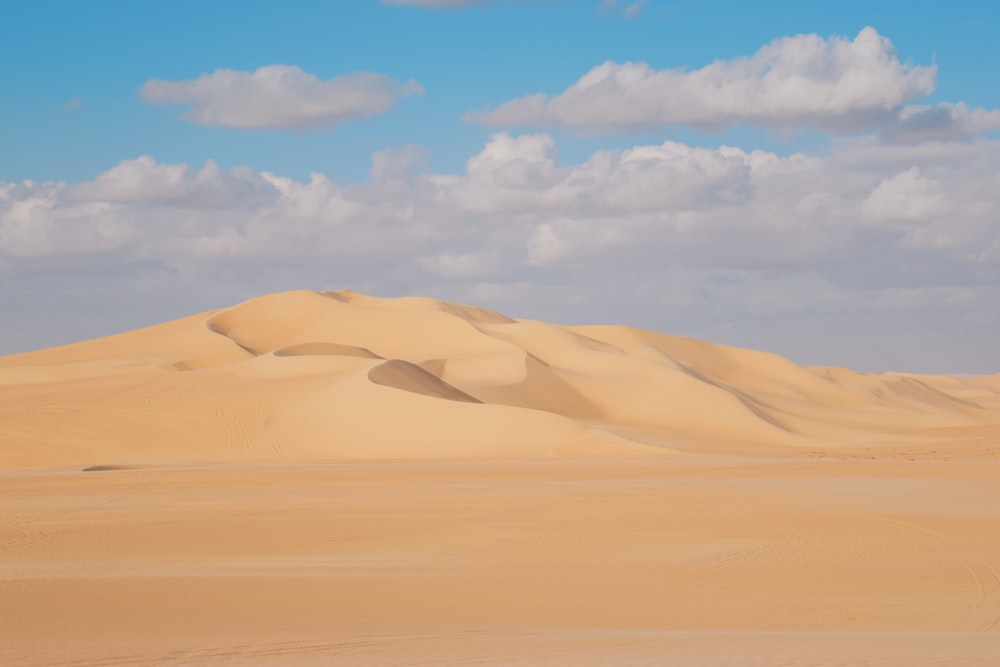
(330, 478)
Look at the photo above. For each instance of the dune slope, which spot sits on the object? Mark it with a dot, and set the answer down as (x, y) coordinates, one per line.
(340, 375)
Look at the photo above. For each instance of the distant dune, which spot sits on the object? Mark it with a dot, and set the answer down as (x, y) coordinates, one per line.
(340, 375)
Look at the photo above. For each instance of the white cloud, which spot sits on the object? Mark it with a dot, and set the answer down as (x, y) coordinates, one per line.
(399, 164)
(832, 84)
(722, 207)
(908, 195)
(748, 247)
(144, 180)
(941, 122)
(279, 96)
(627, 9)
(436, 3)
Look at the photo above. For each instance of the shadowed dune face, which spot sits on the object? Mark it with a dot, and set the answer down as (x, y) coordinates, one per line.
(277, 375)
(325, 349)
(410, 377)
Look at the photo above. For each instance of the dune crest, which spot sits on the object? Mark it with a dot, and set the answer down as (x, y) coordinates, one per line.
(337, 375)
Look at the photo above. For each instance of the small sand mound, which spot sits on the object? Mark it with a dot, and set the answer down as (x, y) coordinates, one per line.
(410, 377)
(320, 348)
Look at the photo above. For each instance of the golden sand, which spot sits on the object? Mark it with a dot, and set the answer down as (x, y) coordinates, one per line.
(330, 478)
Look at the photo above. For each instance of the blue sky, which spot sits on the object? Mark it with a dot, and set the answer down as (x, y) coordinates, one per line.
(837, 235)
(465, 58)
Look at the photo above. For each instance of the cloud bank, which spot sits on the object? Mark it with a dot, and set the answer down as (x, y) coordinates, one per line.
(279, 96)
(699, 239)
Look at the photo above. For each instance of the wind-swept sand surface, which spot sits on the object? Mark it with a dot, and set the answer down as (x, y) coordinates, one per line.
(329, 478)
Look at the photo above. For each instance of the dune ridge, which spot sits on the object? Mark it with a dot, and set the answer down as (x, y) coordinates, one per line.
(341, 375)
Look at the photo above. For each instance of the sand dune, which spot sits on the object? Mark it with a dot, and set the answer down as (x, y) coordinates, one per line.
(237, 382)
(333, 478)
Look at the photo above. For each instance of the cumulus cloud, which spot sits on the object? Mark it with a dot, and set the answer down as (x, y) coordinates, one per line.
(279, 96)
(941, 122)
(747, 247)
(717, 207)
(834, 84)
(146, 181)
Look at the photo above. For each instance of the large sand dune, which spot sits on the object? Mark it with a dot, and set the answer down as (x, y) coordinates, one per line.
(332, 478)
(344, 376)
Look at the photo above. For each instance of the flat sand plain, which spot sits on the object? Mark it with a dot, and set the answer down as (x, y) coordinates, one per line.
(328, 478)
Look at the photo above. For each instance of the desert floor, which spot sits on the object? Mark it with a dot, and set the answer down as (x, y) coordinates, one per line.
(307, 480)
(714, 560)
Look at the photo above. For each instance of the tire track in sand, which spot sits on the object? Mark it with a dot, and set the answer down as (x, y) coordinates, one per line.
(16, 533)
(785, 542)
(984, 576)
(24, 532)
